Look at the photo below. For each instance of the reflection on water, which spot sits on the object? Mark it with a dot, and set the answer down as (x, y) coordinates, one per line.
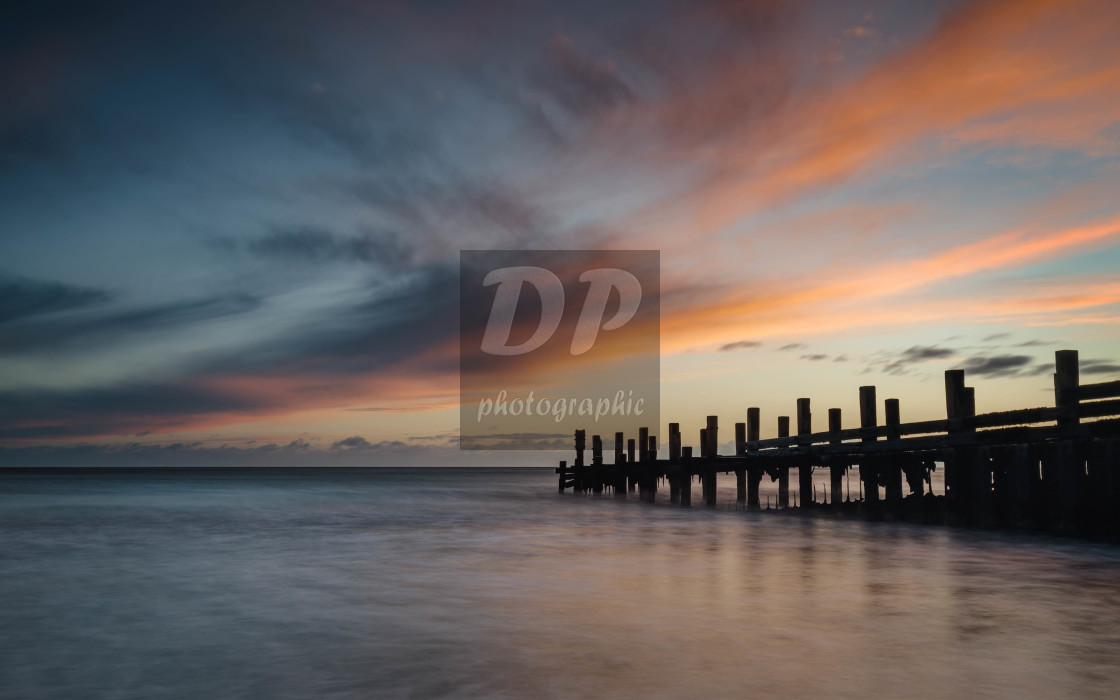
(407, 583)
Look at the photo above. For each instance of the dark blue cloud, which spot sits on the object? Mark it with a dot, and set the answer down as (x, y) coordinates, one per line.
(35, 334)
(111, 410)
(22, 298)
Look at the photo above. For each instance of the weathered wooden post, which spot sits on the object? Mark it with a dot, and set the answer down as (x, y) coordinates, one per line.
(713, 436)
(754, 470)
(835, 471)
(675, 460)
(783, 472)
(642, 467)
(978, 459)
(704, 472)
(563, 472)
(579, 472)
(961, 461)
(1066, 382)
(631, 459)
(651, 468)
(597, 464)
(1003, 463)
(804, 470)
(954, 407)
(1101, 507)
(740, 470)
(1069, 466)
(686, 477)
(891, 473)
(868, 469)
(618, 483)
(1022, 487)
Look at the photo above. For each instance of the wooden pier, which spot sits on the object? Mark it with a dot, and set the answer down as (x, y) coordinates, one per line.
(1052, 469)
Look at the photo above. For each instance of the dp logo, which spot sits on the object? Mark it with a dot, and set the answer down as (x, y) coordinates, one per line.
(511, 281)
(552, 341)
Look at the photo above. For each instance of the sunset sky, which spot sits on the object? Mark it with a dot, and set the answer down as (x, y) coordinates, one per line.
(230, 231)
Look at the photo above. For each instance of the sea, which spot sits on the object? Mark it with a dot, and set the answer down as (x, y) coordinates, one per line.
(487, 583)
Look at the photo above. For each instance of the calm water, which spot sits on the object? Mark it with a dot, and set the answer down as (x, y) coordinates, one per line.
(485, 583)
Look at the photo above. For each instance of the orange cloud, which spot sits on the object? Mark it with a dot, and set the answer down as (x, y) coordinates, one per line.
(851, 297)
(1021, 72)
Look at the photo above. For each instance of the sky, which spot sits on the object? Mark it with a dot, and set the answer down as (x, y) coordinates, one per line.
(230, 231)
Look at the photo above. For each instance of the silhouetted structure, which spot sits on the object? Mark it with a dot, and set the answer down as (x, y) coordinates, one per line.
(1036, 468)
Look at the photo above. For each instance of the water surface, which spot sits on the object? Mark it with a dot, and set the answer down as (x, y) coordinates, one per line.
(486, 583)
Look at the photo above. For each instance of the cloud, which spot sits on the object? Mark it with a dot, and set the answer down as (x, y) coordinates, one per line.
(739, 345)
(23, 298)
(816, 357)
(407, 408)
(395, 343)
(997, 365)
(581, 85)
(705, 100)
(1038, 370)
(357, 442)
(352, 443)
(995, 336)
(791, 346)
(1099, 367)
(983, 62)
(319, 245)
(914, 355)
(34, 334)
(124, 408)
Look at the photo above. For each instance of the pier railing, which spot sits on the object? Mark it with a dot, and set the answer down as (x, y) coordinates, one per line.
(1055, 467)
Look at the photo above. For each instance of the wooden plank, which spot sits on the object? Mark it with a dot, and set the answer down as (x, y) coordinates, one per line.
(1088, 392)
(1099, 409)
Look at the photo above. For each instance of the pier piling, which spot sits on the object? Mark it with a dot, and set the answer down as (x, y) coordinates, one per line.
(1055, 468)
